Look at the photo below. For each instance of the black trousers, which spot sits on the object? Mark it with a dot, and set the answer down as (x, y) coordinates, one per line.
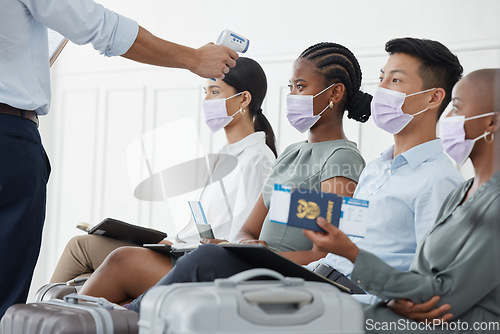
(204, 264)
(24, 172)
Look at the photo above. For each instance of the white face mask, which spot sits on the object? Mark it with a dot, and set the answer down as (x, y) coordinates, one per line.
(300, 112)
(215, 113)
(387, 112)
(452, 133)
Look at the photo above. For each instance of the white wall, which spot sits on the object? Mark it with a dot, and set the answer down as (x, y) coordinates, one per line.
(100, 105)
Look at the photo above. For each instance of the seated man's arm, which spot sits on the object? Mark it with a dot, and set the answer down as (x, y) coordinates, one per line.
(428, 203)
(460, 284)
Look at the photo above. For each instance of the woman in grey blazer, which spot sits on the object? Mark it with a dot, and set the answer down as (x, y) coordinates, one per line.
(458, 259)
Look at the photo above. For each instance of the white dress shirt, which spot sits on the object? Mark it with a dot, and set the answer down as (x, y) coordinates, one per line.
(24, 55)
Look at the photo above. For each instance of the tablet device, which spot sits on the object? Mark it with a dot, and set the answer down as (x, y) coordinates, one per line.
(116, 229)
(260, 256)
(171, 250)
(164, 248)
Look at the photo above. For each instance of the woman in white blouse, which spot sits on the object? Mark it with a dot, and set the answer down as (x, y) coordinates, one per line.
(234, 104)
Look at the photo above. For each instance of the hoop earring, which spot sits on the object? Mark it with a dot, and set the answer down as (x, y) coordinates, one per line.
(331, 104)
(492, 137)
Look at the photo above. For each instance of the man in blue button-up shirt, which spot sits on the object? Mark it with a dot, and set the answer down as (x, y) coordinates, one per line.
(408, 183)
(25, 94)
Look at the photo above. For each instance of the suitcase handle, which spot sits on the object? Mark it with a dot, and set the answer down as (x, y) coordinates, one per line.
(287, 303)
(258, 272)
(101, 302)
(299, 298)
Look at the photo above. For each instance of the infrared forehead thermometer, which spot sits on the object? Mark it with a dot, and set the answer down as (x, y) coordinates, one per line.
(233, 41)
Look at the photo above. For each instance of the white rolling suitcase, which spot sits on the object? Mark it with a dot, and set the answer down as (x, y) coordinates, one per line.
(237, 305)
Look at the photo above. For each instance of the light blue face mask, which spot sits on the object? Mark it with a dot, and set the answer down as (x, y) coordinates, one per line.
(300, 111)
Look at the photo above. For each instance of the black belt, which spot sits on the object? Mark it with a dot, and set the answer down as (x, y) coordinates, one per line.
(10, 110)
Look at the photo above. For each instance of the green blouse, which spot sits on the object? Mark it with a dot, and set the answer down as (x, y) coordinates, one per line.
(306, 165)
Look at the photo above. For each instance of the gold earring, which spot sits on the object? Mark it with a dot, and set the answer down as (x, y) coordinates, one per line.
(492, 138)
(243, 111)
(331, 104)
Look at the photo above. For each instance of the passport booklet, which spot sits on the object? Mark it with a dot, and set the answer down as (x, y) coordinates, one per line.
(300, 207)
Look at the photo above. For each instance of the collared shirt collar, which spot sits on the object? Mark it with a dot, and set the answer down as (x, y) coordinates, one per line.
(240, 146)
(416, 155)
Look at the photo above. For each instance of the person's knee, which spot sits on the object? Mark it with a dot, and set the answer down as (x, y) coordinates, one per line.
(204, 257)
(92, 244)
(208, 251)
(78, 239)
(123, 256)
(79, 242)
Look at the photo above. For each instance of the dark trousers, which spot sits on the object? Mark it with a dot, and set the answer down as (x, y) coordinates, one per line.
(204, 264)
(24, 172)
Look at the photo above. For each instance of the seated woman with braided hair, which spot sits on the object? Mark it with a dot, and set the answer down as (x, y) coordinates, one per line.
(325, 83)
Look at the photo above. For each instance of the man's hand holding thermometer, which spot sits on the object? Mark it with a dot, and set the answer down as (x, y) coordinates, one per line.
(233, 41)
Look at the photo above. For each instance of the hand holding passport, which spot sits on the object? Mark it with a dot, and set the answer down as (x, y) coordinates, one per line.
(300, 208)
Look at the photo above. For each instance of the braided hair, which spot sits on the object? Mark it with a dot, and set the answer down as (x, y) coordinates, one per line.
(338, 64)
